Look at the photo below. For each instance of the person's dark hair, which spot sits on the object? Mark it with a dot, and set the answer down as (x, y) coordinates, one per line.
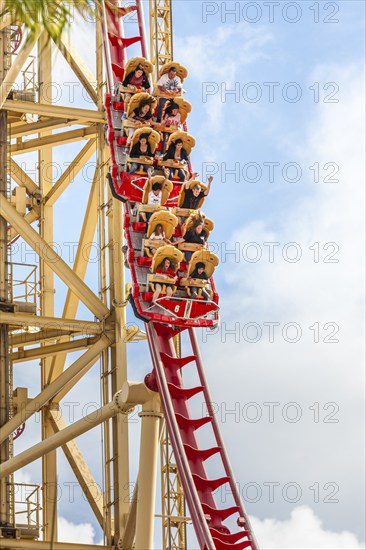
(200, 265)
(197, 186)
(173, 69)
(149, 101)
(197, 221)
(171, 262)
(157, 226)
(179, 140)
(170, 107)
(144, 136)
(156, 186)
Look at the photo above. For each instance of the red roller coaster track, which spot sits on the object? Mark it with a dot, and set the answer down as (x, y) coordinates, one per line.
(208, 518)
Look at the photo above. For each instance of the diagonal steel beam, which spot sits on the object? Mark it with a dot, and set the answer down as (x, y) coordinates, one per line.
(59, 438)
(50, 323)
(22, 178)
(80, 69)
(15, 69)
(85, 116)
(80, 265)
(28, 129)
(52, 140)
(71, 172)
(29, 218)
(60, 268)
(20, 340)
(80, 468)
(24, 544)
(52, 349)
(81, 365)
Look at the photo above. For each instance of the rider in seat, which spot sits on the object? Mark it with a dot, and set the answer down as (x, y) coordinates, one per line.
(164, 268)
(139, 113)
(195, 234)
(180, 145)
(143, 147)
(155, 194)
(171, 77)
(136, 78)
(200, 270)
(175, 114)
(191, 197)
(155, 238)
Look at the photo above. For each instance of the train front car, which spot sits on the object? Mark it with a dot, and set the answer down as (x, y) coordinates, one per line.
(167, 243)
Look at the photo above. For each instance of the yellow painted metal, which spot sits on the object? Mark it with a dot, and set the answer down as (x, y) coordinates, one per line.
(81, 365)
(174, 519)
(46, 545)
(80, 468)
(84, 116)
(29, 339)
(80, 263)
(5, 372)
(22, 178)
(57, 264)
(71, 172)
(21, 129)
(55, 335)
(46, 142)
(53, 349)
(149, 444)
(56, 323)
(161, 37)
(29, 218)
(9, 80)
(120, 429)
(80, 69)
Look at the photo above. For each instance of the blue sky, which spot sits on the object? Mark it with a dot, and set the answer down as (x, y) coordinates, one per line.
(319, 223)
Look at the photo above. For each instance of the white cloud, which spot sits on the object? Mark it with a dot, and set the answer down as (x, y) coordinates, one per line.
(211, 63)
(303, 531)
(305, 292)
(82, 533)
(327, 212)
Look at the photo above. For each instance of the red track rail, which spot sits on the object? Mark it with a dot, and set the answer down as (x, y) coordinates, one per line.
(208, 519)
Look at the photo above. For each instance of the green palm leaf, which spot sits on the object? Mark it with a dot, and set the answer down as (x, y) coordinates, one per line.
(53, 16)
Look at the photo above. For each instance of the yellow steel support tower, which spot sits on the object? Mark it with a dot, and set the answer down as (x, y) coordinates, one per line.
(32, 123)
(161, 33)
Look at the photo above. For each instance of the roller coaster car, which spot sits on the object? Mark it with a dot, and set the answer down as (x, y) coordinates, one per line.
(135, 104)
(184, 109)
(208, 226)
(186, 212)
(153, 139)
(211, 261)
(169, 223)
(131, 68)
(188, 143)
(166, 189)
(182, 72)
(175, 257)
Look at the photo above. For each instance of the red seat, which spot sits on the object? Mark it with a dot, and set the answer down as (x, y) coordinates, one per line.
(118, 105)
(121, 140)
(144, 261)
(139, 226)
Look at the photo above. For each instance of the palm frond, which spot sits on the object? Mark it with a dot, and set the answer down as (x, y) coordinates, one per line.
(54, 16)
